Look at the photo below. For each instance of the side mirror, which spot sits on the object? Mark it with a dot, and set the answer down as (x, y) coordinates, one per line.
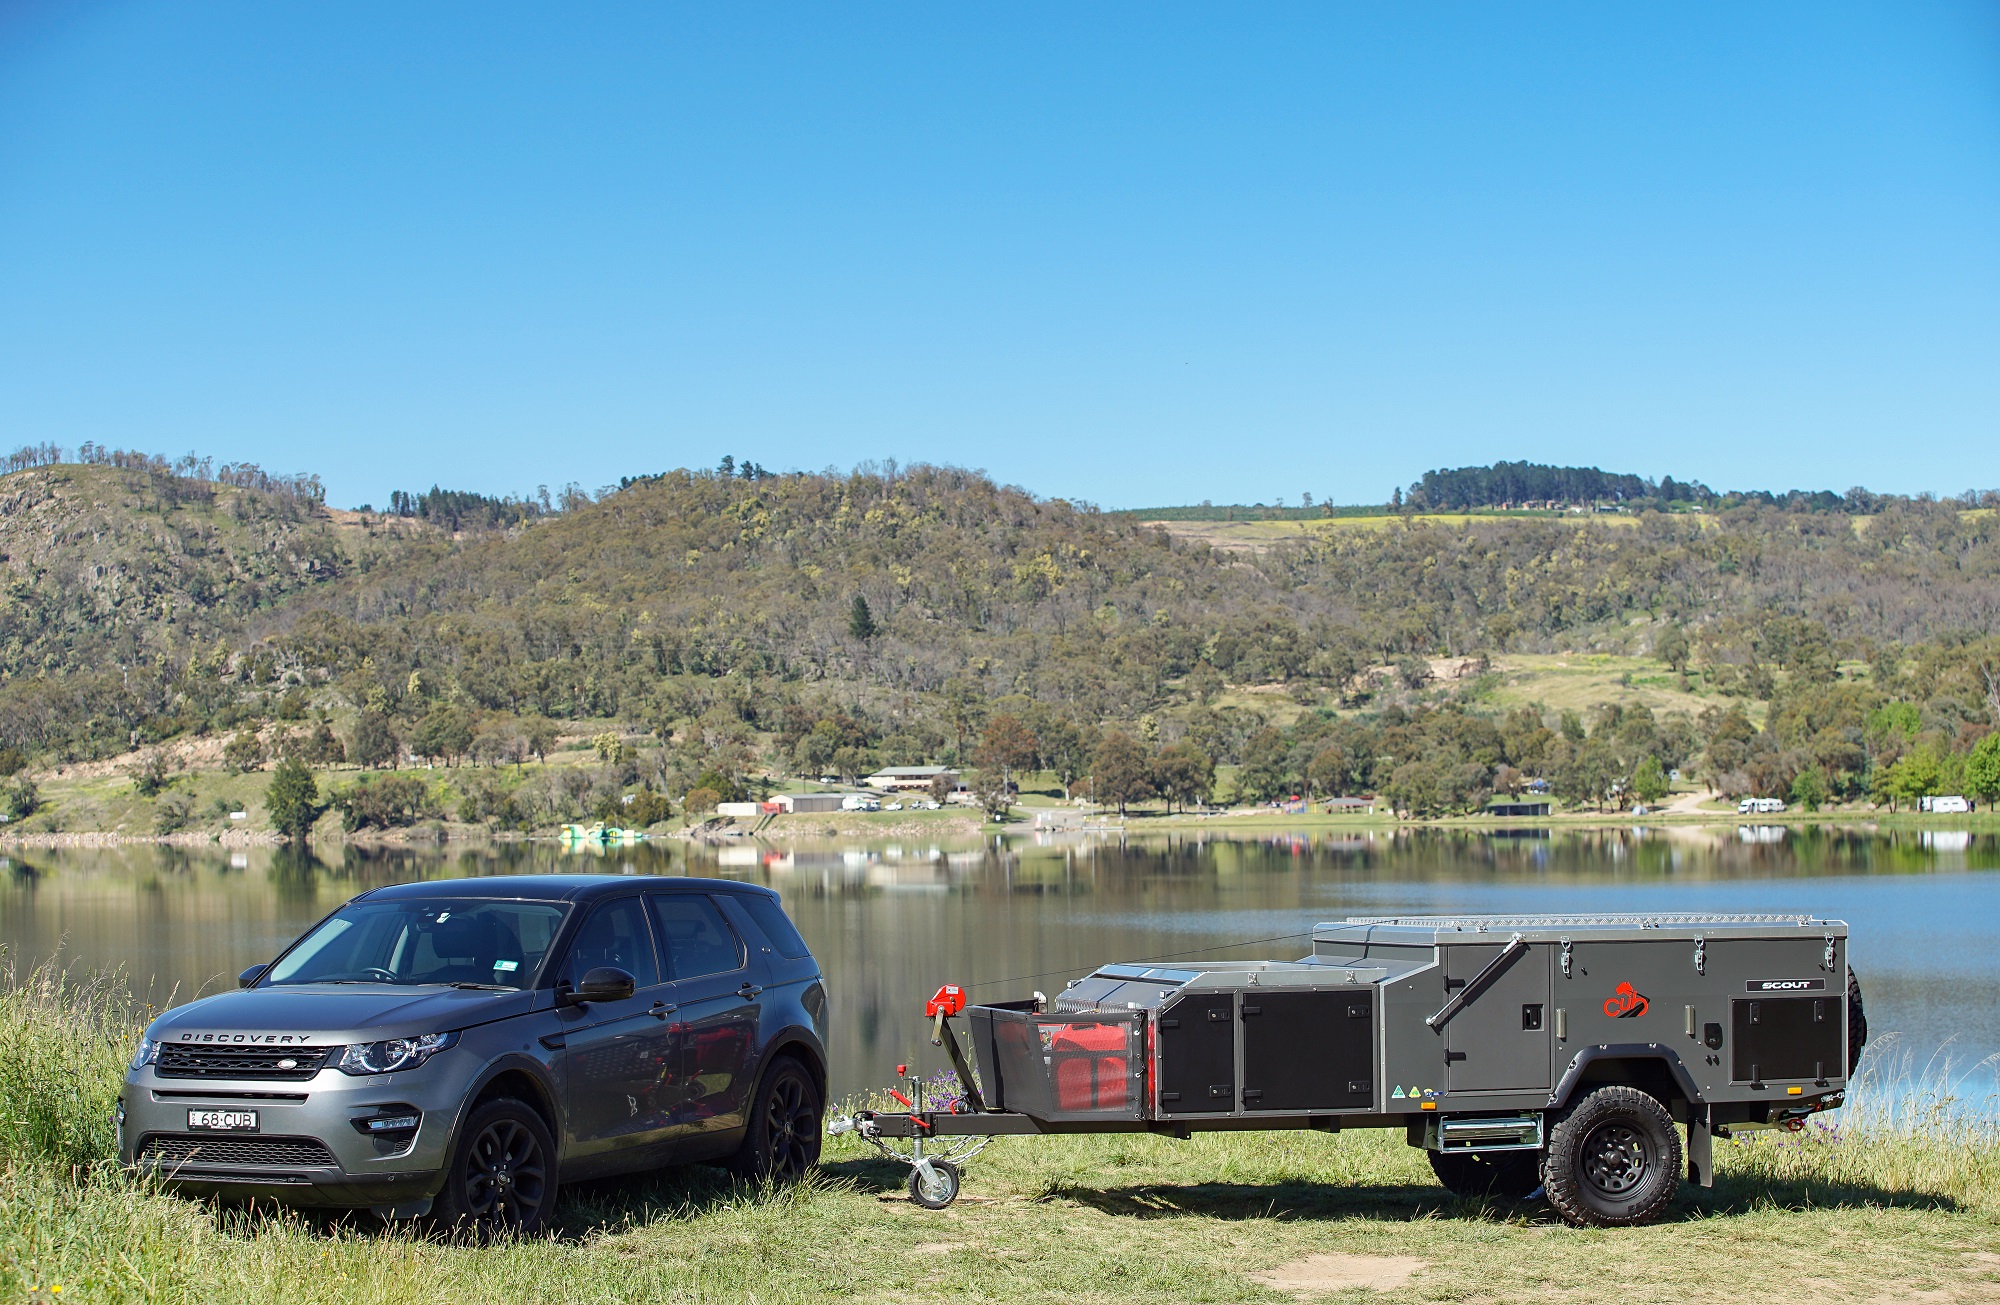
(251, 975)
(605, 983)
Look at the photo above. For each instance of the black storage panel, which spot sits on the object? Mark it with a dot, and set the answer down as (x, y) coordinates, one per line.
(1787, 1038)
(1198, 1055)
(1308, 1050)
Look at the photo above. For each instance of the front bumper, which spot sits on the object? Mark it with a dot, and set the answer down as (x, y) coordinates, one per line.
(306, 1150)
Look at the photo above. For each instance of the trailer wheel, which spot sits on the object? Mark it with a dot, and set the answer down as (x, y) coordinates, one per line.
(1507, 1175)
(1614, 1160)
(1857, 1022)
(938, 1189)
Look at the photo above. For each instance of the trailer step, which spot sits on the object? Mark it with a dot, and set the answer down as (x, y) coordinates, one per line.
(1504, 1133)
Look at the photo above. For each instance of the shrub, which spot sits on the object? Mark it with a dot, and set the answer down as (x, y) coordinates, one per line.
(243, 752)
(22, 800)
(172, 813)
(293, 799)
(385, 802)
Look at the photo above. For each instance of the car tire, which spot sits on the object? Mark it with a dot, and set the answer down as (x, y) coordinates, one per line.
(1501, 1175)
(1857, 1023)
(1614, 1160)
(502, 1178)
(936, 1190)
(782, 1140)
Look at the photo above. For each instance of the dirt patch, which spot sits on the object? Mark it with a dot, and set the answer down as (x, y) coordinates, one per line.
(1339, 1272)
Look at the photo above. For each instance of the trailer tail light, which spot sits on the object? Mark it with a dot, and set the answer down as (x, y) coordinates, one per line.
(1151, 1100)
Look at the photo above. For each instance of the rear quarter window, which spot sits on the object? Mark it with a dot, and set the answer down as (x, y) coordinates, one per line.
(775, 924)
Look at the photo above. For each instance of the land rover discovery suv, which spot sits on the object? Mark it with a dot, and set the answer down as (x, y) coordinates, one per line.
(455, 1048)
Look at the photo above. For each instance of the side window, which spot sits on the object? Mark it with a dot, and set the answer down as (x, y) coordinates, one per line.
(614, 935)
(697, 939)
(777, 927)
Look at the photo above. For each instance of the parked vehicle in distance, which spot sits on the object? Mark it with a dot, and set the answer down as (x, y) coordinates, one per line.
(457, 1048)
(860, 802)
(1756, 806)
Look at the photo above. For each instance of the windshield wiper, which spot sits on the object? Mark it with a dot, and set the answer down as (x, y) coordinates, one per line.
(484, 987)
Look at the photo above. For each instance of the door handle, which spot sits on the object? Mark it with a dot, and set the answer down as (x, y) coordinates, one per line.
(553, 1041)
(749, 990)
(662, 1009)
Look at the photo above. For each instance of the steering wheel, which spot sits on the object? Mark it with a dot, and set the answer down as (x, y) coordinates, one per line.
(387, 976)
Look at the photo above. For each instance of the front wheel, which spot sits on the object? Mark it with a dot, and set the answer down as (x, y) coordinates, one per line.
(1504, 1175)
(1614, 1160)
(503, 1174)
(934, 1186)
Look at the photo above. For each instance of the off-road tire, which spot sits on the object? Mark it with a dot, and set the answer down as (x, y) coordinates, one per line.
(782, 1140)
(502, 1177)
(941, 1191)
(1857, 1023)
(1500, 1175)
(1614, 1160)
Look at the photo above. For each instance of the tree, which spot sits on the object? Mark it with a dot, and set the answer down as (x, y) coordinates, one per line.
(701, 801)
(1183, 773)
(1649, 781)
(445, 733)
(375, 741)
(1265, 766)
(1982, 769)
(995, 794)
(1007, 744)
(243, 752)
(860, 621)
(1120, 771)
(1672, 648)
(293, 799)
(1809, 788)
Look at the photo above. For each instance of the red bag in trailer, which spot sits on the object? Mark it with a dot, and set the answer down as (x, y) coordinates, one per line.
(1091, 1065)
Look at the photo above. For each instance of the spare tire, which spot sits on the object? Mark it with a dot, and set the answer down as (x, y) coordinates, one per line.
(1857, 1022)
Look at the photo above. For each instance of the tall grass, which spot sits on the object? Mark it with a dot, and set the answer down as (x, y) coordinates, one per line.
(64, 1044)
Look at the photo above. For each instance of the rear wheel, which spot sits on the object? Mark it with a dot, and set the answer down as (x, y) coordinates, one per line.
(783, 1139)
(1502, 1175)
(1857, 1023)
(1614, 1160)
(503, 1173)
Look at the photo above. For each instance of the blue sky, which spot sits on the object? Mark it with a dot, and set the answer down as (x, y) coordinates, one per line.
(1134, 254)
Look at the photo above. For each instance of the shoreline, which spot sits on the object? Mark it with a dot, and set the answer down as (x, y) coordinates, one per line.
(818, 828)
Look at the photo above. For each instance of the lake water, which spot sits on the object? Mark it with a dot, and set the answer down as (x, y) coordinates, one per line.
(892, 921)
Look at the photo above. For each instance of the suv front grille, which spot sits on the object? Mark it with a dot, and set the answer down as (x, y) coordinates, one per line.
(189, 1148)
(178, 1060)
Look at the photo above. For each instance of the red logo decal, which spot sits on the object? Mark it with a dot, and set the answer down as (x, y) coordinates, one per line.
(1627, 1003)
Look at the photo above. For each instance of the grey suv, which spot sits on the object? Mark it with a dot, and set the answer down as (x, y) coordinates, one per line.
(453, 1048)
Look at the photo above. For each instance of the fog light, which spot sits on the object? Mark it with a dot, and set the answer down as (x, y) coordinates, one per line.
(389, 1119)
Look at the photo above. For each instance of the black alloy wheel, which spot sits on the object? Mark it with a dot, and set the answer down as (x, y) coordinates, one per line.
(1614, 1159)
(502, 1177)
(783, 1139)
(1498, 1175)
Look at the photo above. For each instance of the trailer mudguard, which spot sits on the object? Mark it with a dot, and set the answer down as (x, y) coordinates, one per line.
(1653, 1051)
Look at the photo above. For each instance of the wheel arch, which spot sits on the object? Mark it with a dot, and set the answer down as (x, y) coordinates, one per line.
(524, 1080)
(799, 1044)
(1648, 1066)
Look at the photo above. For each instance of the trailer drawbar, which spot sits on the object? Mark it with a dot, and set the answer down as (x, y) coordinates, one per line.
(1567, 1053)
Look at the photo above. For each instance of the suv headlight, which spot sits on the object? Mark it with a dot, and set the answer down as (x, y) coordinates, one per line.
(148, 1052)
(393, 1054)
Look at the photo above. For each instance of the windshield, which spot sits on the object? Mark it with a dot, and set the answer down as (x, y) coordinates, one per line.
(429, 940)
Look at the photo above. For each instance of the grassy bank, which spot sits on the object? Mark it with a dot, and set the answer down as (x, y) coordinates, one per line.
(1872, 1210)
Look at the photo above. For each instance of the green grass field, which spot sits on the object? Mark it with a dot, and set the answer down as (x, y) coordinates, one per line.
(1906, 1211)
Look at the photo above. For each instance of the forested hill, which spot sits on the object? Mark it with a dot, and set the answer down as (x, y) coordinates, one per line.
(141, 604)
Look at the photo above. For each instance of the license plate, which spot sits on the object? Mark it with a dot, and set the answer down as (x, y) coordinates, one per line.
(223, 1121)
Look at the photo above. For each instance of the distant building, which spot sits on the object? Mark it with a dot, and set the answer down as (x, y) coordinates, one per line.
(796, 804)
(1349, 805)
(910, 778)
(1517, 809)
(739, 808)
